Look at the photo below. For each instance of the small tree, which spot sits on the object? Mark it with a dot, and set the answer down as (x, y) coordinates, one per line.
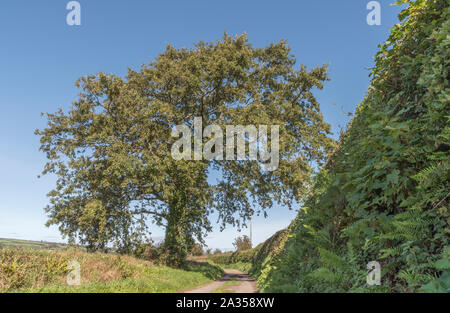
(217, 251)
(242, 243)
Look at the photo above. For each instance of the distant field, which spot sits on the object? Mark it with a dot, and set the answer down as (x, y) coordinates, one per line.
(19, 243)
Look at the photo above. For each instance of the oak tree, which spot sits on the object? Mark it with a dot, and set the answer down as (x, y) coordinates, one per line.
(111, 152)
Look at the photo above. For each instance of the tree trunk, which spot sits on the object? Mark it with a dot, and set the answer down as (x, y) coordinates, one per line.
(174, 242)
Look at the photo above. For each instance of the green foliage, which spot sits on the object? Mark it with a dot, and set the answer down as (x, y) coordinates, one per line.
(239, 256)
(269, 250)
(384, 193)
(26, 268)
(209, 270)
(197, 250)
(111, 150)
(221, 258)
(442, 283)
(242, 243)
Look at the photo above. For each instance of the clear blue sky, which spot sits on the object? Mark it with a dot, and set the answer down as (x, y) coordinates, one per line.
(41, 57)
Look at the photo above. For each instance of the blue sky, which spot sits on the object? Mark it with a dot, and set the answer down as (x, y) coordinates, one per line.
(41, 57)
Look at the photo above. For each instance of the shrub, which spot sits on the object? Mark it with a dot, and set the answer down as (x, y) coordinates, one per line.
(242, 243)
(22, 268)
(197, 250)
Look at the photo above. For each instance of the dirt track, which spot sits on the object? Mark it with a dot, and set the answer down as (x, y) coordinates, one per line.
(244, 283)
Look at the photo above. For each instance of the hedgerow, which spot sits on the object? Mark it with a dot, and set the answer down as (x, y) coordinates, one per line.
(383, 195)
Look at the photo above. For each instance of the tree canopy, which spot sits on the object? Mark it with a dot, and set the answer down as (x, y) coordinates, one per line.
(111, 151)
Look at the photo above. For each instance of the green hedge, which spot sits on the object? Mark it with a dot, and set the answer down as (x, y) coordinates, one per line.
(383, 195)
(245, 256)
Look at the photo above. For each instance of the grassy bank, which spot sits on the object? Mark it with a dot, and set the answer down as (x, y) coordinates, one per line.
(31, 270)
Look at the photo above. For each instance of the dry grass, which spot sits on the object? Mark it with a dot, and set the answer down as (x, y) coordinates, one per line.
(31, 270)
(26, 268)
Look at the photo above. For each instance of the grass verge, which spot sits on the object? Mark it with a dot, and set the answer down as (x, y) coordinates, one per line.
(30, 270)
